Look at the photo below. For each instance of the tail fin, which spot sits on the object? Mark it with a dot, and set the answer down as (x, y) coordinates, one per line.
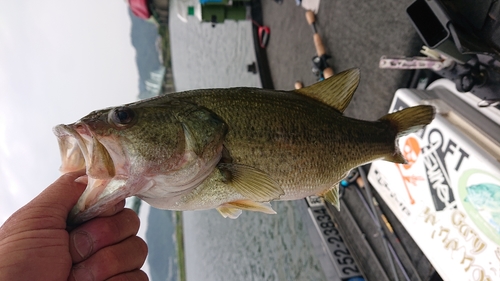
(407, 121)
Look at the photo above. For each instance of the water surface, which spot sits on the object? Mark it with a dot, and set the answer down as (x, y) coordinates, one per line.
(253, 247)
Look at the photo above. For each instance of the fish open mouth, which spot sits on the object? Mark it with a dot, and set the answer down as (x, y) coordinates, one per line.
(72, 147)
(80, 149)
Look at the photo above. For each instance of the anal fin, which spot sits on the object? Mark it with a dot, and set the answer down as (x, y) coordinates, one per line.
(332, 196)
(229, 212)
(233, 209)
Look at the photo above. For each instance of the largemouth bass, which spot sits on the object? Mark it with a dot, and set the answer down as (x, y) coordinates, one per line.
(230, 149)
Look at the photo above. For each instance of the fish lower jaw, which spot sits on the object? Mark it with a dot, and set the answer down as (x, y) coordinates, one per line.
(99, 195)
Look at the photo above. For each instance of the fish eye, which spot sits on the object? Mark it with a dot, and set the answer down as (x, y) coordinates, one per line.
(122, 116)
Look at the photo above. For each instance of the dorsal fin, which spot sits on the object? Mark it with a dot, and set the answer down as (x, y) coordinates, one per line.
(335, 91)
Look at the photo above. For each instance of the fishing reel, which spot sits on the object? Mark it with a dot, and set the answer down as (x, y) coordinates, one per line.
(351, 178)
(319, 65)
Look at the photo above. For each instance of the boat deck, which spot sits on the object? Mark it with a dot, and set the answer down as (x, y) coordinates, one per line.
(355, 34)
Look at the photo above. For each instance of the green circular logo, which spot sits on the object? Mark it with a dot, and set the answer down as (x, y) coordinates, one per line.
(480, 198)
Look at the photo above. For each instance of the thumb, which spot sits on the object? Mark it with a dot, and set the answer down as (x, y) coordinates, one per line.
(49, 210)
(63, 193)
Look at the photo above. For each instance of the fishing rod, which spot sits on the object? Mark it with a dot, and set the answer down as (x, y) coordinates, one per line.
(320, 59)
(321, 68)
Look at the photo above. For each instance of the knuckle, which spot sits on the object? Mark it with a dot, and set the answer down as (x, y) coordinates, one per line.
(136, 275)
(111, 254)
(110, 228)
(132, 220)
(141, 245)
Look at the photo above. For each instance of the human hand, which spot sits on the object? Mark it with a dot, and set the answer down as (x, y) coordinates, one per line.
(35, 243)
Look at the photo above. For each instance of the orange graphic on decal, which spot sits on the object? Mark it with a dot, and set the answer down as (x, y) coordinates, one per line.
(411, 151)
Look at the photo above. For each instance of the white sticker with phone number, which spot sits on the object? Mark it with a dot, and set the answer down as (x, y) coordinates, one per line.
(342, 259)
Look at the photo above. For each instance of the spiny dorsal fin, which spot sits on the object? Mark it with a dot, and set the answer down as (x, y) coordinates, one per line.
(250, 182)
(332, 196)
(233, 209)
(335, 91)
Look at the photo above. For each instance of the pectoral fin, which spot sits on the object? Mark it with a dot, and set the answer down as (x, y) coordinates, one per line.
(332, 196)
(233, 209)
(253, 184)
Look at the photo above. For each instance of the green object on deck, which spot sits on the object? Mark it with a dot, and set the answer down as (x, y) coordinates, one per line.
(236, 13)
(218, 2)
(217, 14)
(213, 13)
(190, 11)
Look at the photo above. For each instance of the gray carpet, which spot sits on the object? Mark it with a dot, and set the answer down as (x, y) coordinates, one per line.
(356, 34)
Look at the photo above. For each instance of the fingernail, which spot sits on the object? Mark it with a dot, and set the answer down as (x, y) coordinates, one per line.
(83, 243)
(82, 274)
(83, 179)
